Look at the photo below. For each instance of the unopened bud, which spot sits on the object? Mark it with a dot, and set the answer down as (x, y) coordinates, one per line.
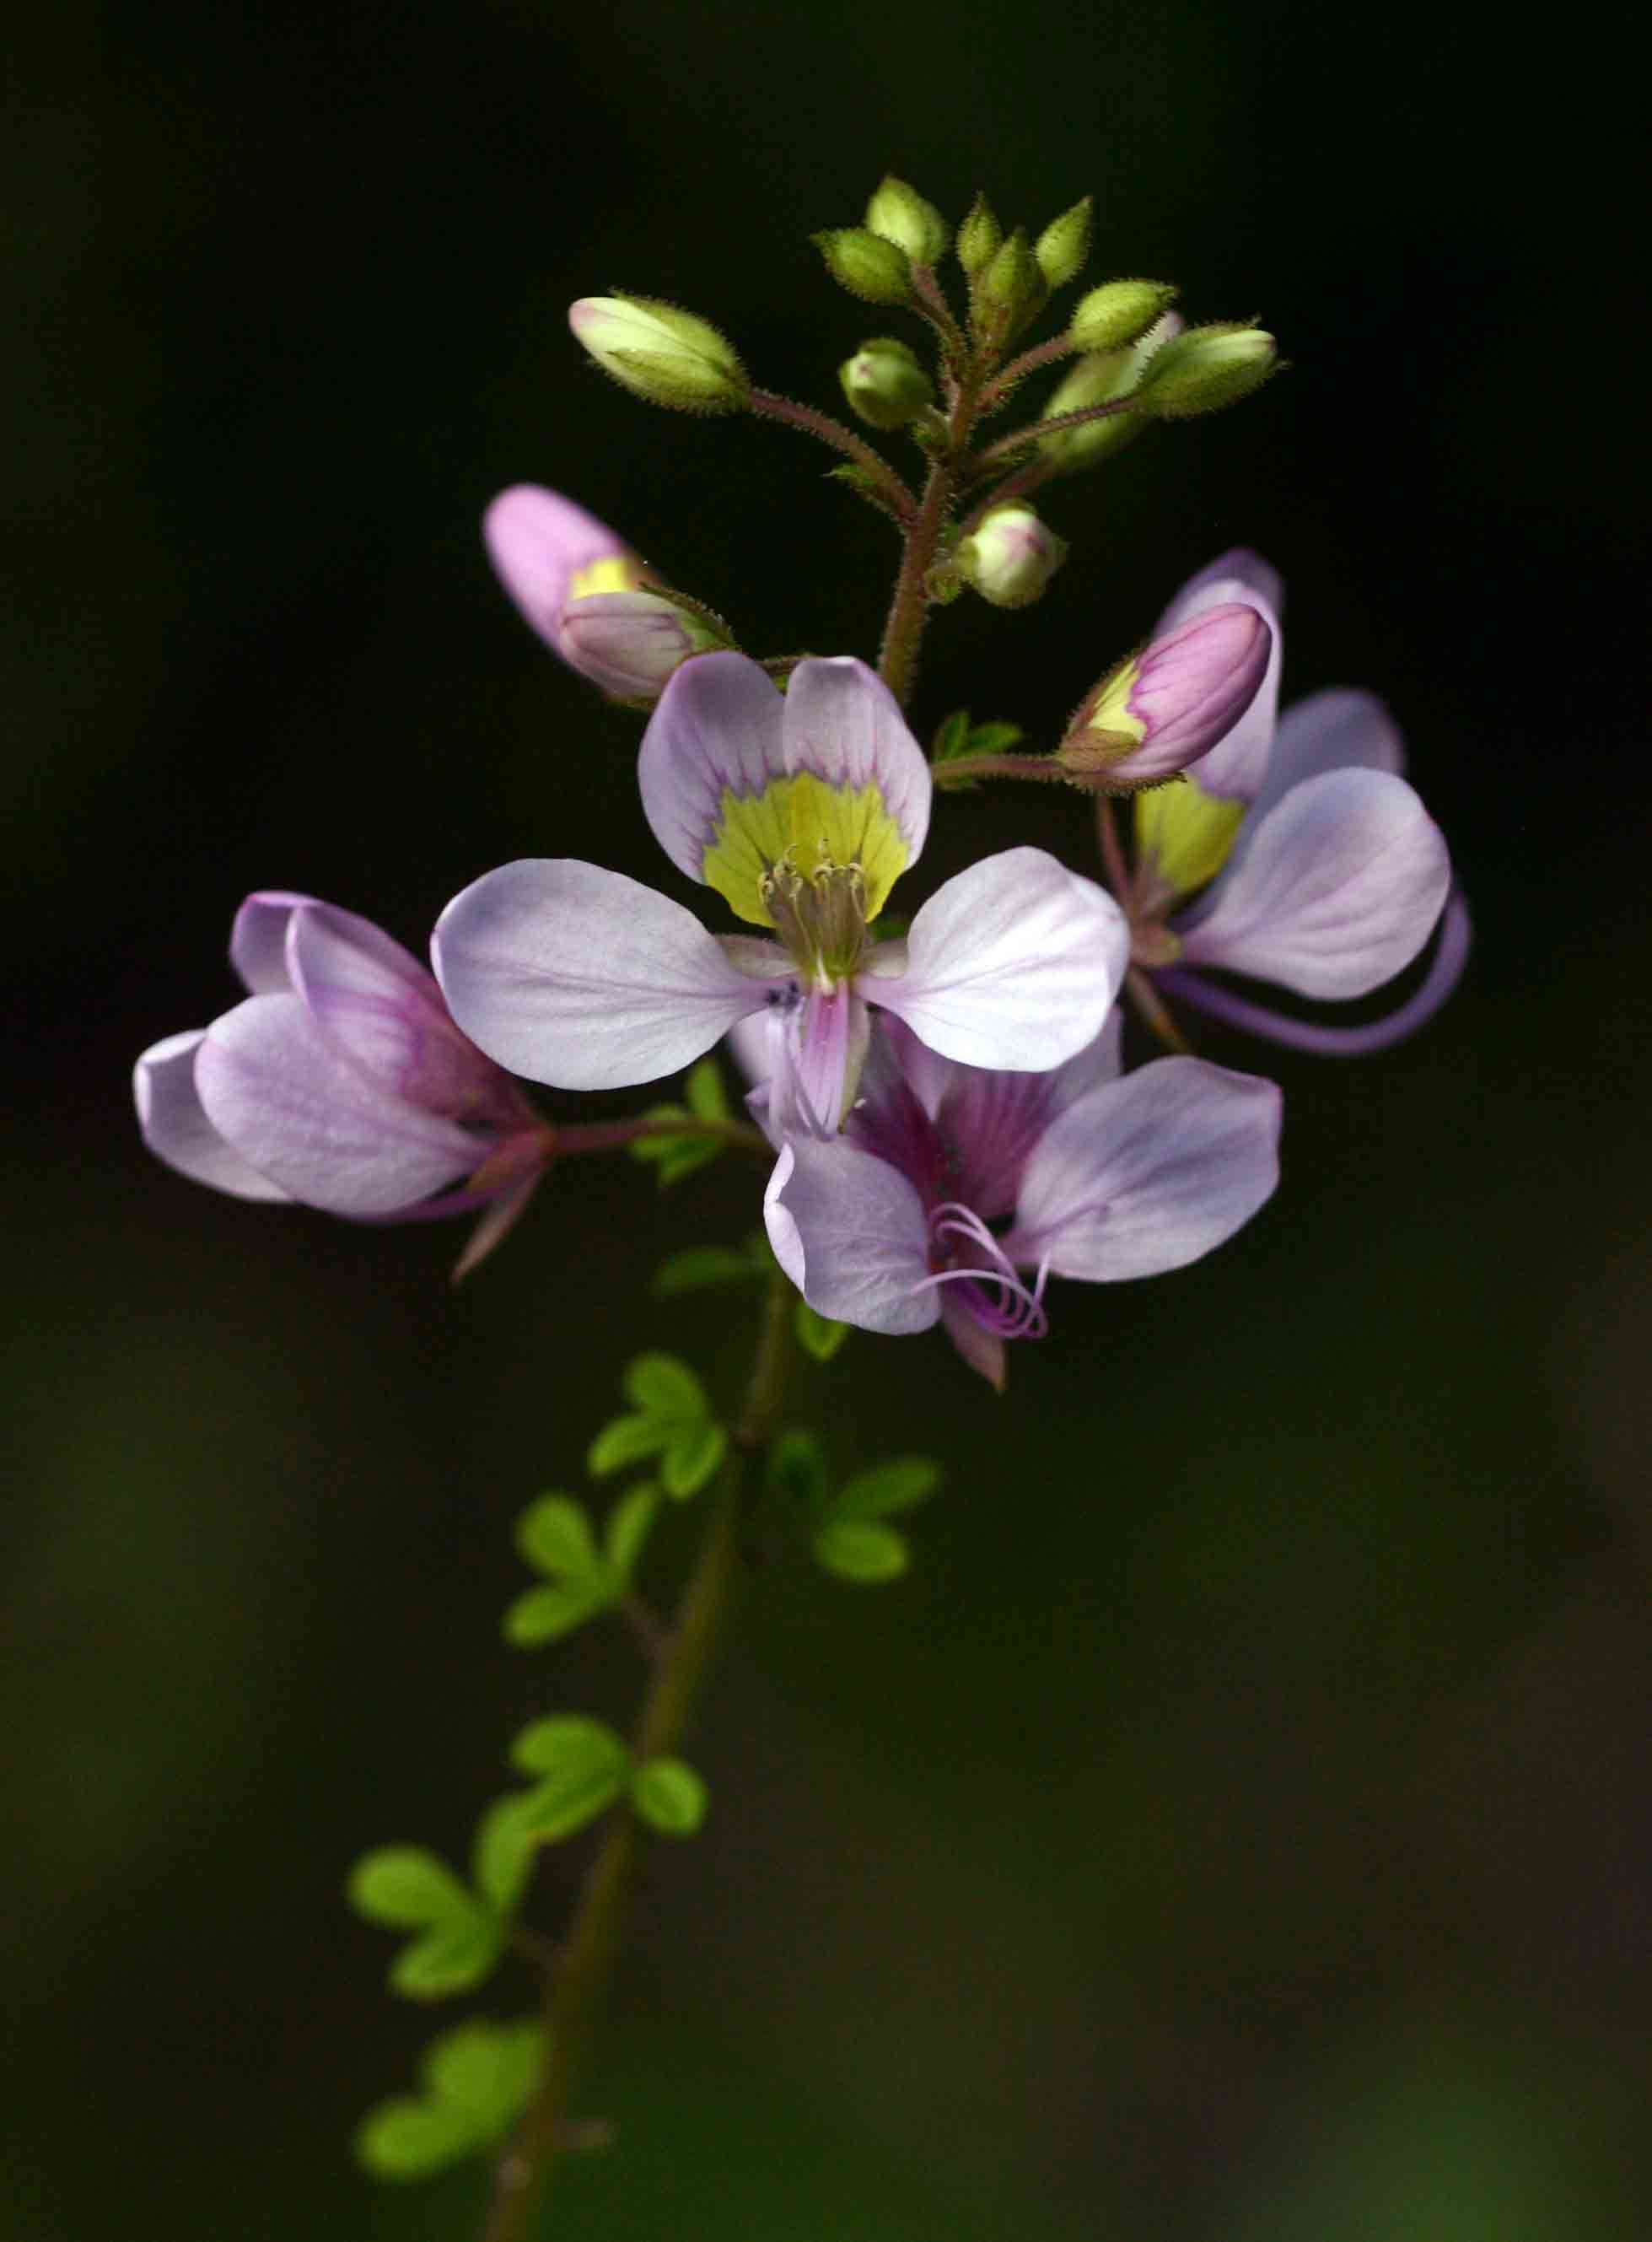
(1205, 369)
(1011, 290)
(1118, 312)
(1064, 244)
(901, 214)
(865, 264)
(630, 642)
(1098, 381)
(1165, 707)
(1010, 557)
(657, 352)
(979, 238)
(886, 383)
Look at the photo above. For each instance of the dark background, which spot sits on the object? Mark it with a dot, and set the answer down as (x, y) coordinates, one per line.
(1239, 1826)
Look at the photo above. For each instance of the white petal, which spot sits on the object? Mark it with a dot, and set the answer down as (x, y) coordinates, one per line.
(851, 1233)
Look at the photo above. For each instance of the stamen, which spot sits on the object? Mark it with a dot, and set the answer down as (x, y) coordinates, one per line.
(1017, 1312)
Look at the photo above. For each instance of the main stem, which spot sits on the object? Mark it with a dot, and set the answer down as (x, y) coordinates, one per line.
(909, 610)
(575, 1986)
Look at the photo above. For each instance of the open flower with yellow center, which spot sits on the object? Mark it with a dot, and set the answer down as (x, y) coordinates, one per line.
(801, 809)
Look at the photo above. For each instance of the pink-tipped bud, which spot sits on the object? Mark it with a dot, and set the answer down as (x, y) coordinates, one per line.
(1164, 707)
(1010, 557)
(630, 642)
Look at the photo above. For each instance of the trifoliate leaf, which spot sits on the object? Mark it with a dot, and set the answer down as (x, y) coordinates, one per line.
(554, 1536)
(546, 1615)
(673, 1421)
(797, 1470)
(675, 1156)
(406, 1887)
(863, 1552)
(405, 2139)
(670, 1796)
(691, 1459)
(900, 1483)
(450, 1957)
(817, 1334)
(583, 1765)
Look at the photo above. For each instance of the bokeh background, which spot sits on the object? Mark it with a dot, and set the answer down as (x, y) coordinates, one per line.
(1238, 1828)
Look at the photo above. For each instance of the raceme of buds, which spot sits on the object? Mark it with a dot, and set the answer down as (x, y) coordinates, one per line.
(1118, 312)
(1064, 244)
(589, 597)
(901, 214)
(1097, 381)
(886, 383)
(1205, 369)
(868, 265)
(979, 238)
(660, 353)
(1167, 706)
(1010, 557)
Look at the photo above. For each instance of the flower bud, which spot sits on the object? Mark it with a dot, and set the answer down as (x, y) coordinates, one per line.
(886, 383)
(630, 642)
(901, 214)
(659, 352)
(979, 238)
(1097, 381)
(1118, 312)
(1064, 244)
(865, 264)
(1164, 707)
(1010, 557)
(1011, 290)
(1205, 369)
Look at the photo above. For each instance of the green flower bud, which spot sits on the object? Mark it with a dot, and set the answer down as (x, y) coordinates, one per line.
(866, 265)
(1010, 557)
(1011, 291)
(657, 352)
(979, 238)
(1064, 244)
(1205, 369)
(1097, 381)
(1118, 312)
(901, 214)
(885, 384)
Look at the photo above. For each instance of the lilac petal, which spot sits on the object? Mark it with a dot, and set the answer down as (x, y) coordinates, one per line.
(379, 1007)
(499, 1219)
(1236, 766)
(286, 1098)
(842, 722)
(718, 728)
(581, 977)
(1148, 1172)
(258, 940)
(1013, 964)
(1445, 971)
(1337, 890)
(1339, 729)
(851, 1233)
(538, 542)
(823, 1054)
(174, 1126)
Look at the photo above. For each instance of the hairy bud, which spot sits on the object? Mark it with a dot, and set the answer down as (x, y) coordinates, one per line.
(1064, 244)
(1205, 369)
(1167, 706)
(1010, 557)
(979, 238)
(867, 264)
(901, 214)
(886, 383)
(1118, 312)
(1099, 380)
(661, 353)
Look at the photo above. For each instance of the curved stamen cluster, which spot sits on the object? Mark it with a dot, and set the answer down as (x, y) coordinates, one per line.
(819, 915)
(1017, 1309)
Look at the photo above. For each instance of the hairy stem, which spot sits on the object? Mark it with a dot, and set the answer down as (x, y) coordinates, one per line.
(1008, 447)
(959, 770)
(894, 492)
(575, 1986)
(909, 610)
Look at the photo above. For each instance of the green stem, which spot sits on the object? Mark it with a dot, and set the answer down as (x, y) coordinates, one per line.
(575, 1989)
(959, 770)
(894, 494)
(1007, 447)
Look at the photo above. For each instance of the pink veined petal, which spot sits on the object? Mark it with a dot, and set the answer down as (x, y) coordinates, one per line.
(277, 1090)
(1148, 1172)
(1339, 887)
(851, 1233)
(583, 978)
(1013, 964)
(379, 1007)
(537, 540)
(717, 729)
(174, 1126)
(1237, 766)
(842, 722)
(823, 1051)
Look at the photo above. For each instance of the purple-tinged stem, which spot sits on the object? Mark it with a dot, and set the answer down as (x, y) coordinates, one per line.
(1030, 361)
(1144, 997)
(894, 492)
(958, 770)
(1007, 446)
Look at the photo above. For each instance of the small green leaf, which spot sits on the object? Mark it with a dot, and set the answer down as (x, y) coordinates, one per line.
(700, 1267)
(951, 740)
(707, 1100)
(993, 739)
(546, 1615)
(405, 2139)
(622, 1441)
(554, 1536)
(900, 1483)
(450, 1957)
(691, 1459)
(797, 1469)
(503, 1849)
(661, 1385)
(406, 1887)
(862, 1551)
(584, 1766)
(628, 1524)
(486, 2070)
(670, 1796)
(817, 1334)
